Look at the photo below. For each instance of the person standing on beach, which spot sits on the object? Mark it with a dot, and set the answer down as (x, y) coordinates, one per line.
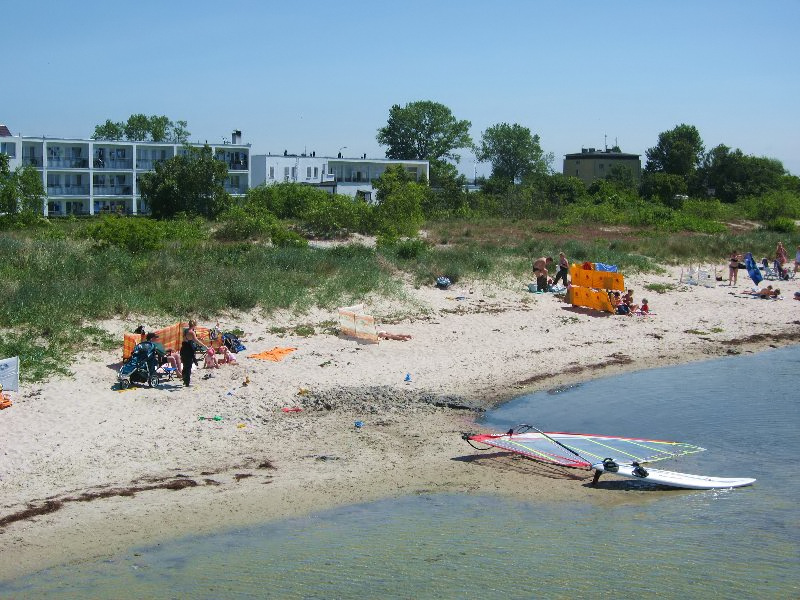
(540, 272)
(563, 270)
(780, 254)
(188, 346)
(733, 267)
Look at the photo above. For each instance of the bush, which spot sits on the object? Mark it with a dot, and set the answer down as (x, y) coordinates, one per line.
(136, 235)
(283, 237)
(336, 215)
(772, 205)
(782, 225)
(240, 223)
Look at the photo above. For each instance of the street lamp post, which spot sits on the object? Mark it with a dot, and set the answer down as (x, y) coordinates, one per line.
(340, 151)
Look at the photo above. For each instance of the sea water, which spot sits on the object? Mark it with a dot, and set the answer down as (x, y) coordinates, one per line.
(637, 542)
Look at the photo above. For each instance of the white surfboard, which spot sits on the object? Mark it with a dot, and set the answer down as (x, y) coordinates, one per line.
(680, 480)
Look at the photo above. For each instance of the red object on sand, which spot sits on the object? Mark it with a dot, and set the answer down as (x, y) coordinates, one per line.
(292, 409)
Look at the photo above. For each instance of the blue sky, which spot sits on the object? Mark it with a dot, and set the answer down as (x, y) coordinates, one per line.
(317, 76)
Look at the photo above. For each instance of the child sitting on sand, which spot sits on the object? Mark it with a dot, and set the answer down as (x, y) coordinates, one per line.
(211, 359)
(645, 308)
(227, 355)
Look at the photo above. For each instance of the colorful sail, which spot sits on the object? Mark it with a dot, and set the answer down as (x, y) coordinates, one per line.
(584, 450)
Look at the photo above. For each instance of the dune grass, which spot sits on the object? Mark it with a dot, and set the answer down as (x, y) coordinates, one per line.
(58, 280)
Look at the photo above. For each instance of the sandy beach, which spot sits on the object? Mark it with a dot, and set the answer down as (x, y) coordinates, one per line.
(87, 470)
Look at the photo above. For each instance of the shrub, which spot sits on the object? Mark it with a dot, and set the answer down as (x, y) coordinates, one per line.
(240, 223)
(283, 237)
(136, 235)
(782, 225)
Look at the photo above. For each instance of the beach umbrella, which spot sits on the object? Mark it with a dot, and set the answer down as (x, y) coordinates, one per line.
(752, 268)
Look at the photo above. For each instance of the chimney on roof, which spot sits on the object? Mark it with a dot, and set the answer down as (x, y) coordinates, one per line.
(236, 137)
(365, 155)
(286, 153)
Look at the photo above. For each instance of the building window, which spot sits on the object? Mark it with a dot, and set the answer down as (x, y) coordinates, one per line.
(272, 172)
(316, 172)
(9, 149)
(286, 171)
(308, 172)
(294, 173)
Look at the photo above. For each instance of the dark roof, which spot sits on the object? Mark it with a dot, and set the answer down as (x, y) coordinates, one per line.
(4, 132)
(602, 154)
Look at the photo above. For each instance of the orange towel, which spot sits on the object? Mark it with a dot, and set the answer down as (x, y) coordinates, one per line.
(274, 355)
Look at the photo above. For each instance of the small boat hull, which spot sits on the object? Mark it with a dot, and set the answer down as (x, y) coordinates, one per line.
(679, 480)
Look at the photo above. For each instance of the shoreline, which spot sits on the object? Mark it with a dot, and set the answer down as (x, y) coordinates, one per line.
(112, 459)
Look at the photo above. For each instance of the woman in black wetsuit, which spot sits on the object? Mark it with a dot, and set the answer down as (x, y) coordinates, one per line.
(188, 346)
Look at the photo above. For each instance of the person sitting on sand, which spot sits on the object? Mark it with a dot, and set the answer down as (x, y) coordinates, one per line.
(173, 359)
(385, 335)
(211, 359)
(628, 301)
(540, 272)
(645, 307)
(619, 306)
(227, 356)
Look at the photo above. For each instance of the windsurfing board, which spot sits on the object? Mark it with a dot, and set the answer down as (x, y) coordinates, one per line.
(680, 480)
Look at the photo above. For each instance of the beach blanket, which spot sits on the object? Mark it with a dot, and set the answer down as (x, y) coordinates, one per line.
(274, 355)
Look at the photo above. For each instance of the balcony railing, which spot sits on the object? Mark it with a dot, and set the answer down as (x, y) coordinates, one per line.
(113, 163)
(113, 190)
(31, 161)
(67, 163)
(236, 189)
(69, 190)
(148, 164)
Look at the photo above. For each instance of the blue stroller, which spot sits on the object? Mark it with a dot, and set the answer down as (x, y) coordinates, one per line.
(142, 367)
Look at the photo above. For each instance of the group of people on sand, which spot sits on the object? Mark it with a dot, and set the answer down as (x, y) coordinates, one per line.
(623, 304)
(540, 271)
(182, 361)
(781, 259)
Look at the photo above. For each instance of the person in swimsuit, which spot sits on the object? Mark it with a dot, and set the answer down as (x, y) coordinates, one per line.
(733, 267)
(188, 346)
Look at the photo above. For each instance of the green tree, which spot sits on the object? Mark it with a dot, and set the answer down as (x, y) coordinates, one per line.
(514, 152)
(667, 188)
(399, 204)
(678, 152)
(425, 130)
(141, 128)
(21, 190)
(733, 175)
(138, 128)
(178, 133)
(109, 131)
(191, 183)
(622, 176)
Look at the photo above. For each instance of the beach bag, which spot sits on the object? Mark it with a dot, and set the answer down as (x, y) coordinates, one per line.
(232, 342)
(442, 283)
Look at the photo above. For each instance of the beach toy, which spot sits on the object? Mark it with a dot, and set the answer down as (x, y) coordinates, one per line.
(359, 424)
(407, 378)
(217, 418)
(241, 425)
(292, 409)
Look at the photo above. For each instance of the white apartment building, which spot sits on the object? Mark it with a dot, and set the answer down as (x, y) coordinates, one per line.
(348, 176)
(88, 177)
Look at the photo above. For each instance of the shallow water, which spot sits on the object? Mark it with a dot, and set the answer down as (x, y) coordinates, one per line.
(640, 542)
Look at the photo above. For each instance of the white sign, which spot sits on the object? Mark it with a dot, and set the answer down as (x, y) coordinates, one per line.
(9, 373)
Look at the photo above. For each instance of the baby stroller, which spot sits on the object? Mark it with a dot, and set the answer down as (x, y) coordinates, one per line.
(142, 367)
